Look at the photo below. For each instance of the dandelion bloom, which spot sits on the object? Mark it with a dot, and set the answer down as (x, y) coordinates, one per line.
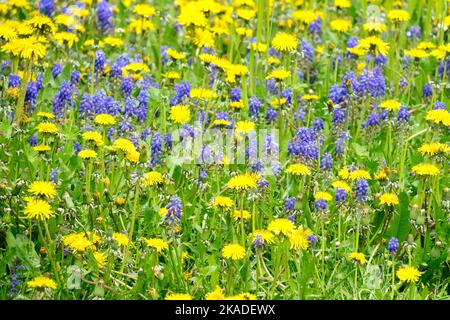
(43, 188)
(243, 181)
(339, 184)
(144, 10)
(434, 148)
(245, 126)
(121, 238)
(223, 202)
(38, 209)
(94, 136)
(233, 251)
(308, 97)
(25, 48)
(284, 42)
(41, 282)
(358, 256)
(298, 169)
(408, 274)
(125, 145)
(203, 93)
(343, 4)
(439, 116)
(390, 105)
(41, 148)
(416, 53)
(299, 238)
(87, 154)
(374, 26)
(359, 174)
(47, 127)
(178, 296)
(104, 119)
(425, 169)
(389, 199)
(340, 25)
(175, 54)
(244, 214)
(100, 258)
(279, 74)
(398, 15)
(217, 294)
(180, 114)
(374, 44)
(157, 243)
(152, 178)
(265, 236)
(304, 16)
(281, 226)
(323, 195)
(46, 115)
(78, 242)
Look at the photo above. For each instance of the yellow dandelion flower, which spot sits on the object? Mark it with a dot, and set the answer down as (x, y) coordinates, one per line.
(298, 169)
(323, 195)
(244, 214)
(389, 199)
(426, 45)
(152, 178)
(178, 296)
(343, 4)
(93, 136)
(374, 44)
(203, 93)
(217, 294)
(172, 75)
(78, 242)
(265, 236)
(359, 174)
(43, 188)
(398, 15)
(38, 209)
(41, 148)
(47, 115)
(47, 127)
(284, 42)
(308, 97)
(416, 53)
(281, 226)
(245, 126)
(237, 104)
(339, 184)
(41, 282)
(358, 256)
(121, 238)
(243, 182)
(304, 16)
(25, 48)
(156, 243)
(100, 258)
(104, 119)
(180, 114)
(246, 14)
(87, 154)
(175, 54)
(223, 202)
(299, 238)
(233, 251)
(279, 74)
(340, 25)
(425, 169)
(408, 274)
(124, 145)
(144, 10)
(192, 15)
(433, 148)
(439, 116)
(374, 26)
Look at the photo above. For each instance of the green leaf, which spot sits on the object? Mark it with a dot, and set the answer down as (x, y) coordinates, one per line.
(403, 223)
